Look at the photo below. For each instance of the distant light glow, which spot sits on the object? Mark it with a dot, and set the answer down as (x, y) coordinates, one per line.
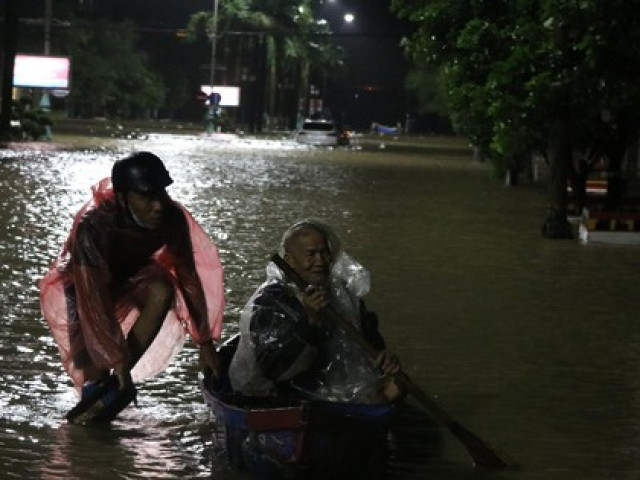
(349, 17)
(40, 71)
(229, 96)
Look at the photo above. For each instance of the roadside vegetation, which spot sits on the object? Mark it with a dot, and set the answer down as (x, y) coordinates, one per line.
(547, 78)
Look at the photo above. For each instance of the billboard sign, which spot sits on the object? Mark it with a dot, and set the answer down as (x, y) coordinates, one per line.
(229, 96)
(40, 71)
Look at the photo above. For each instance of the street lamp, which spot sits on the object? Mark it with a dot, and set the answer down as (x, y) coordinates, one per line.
(337, 21)
(331, 8)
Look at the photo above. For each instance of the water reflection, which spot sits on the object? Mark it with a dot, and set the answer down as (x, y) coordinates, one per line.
(136, 448)
(533, 344)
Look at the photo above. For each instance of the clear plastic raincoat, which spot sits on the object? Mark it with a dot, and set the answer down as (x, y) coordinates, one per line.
(279, 349)
(88, 297)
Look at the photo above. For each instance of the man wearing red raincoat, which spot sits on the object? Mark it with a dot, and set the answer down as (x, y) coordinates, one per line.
(136, 274)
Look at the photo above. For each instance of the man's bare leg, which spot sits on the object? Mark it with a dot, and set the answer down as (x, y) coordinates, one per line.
(152, 314)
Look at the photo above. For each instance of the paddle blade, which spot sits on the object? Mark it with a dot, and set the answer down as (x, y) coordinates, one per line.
(483, 455)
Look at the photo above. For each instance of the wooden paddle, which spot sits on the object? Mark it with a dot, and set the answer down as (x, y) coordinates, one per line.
(482, 454)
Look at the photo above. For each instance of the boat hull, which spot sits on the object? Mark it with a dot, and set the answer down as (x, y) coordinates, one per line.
(301, 439)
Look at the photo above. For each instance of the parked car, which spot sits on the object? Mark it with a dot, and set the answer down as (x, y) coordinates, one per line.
(321, 132)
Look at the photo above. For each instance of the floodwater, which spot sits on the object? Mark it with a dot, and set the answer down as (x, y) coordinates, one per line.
(532, 344)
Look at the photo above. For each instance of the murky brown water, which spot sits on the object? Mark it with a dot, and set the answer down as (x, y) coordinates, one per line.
(530, 343)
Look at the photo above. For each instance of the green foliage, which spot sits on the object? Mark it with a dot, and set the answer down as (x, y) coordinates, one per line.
(110, 78)
(33, 122)
(428, 90)
(508, 68)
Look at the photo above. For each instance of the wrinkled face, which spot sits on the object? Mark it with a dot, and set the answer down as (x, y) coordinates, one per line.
(147, 209)
(309, 255)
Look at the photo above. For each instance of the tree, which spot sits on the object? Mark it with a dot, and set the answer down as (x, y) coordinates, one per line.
(109, 77)
(293, 45)
(551, 76)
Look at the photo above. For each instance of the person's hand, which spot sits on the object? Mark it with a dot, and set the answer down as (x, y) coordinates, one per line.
(209, 358)
(388, 362)
(390, 365)
(315, 301)
(391, 391)
(124, 376)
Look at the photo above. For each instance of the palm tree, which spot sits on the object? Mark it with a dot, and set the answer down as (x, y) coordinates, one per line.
(312, 46)
(291, 41)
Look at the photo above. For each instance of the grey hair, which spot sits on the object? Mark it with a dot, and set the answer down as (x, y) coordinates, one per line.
(333, 241)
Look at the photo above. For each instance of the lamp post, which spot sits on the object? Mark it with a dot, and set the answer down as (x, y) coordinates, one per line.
(331, 15)
(213, 99)
(45, 102)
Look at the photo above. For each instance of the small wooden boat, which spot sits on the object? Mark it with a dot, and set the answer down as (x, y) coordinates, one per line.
(298, 438)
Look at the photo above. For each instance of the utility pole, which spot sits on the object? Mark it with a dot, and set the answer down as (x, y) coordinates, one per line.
(48, 15)
(45, 101)
(213, 98)
(9, 46)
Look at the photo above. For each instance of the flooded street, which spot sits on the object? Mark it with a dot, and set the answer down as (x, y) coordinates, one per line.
(532, 344)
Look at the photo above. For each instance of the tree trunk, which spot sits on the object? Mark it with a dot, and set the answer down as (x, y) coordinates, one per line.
(556, 224)
(8, 62)
(303, 92)
(632, 154)
(261, 81)
(577, 174)
(512, 174)
(272, 81)
(614, 182)
(616, 153)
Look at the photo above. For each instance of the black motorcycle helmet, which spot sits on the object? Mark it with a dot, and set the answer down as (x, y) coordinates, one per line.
(139, 172)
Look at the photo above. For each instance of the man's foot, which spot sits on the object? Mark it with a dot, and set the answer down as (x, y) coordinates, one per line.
(101, 402)
(90, 390)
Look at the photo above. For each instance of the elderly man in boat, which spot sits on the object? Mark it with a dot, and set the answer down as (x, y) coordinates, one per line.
(289, 344)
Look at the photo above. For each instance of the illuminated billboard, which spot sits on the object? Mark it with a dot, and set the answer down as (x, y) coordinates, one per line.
(39, 71)
(229, 96)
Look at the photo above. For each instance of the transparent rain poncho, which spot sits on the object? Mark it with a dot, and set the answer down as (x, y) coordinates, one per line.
(278, 346)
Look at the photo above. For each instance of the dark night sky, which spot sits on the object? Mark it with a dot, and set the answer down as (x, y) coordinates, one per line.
(371, 41)
(374, 57)
(376, 66)
(371, 15)
(374, 61)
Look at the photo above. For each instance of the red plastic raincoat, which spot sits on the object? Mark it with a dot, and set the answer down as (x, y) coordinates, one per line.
(88, 297)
